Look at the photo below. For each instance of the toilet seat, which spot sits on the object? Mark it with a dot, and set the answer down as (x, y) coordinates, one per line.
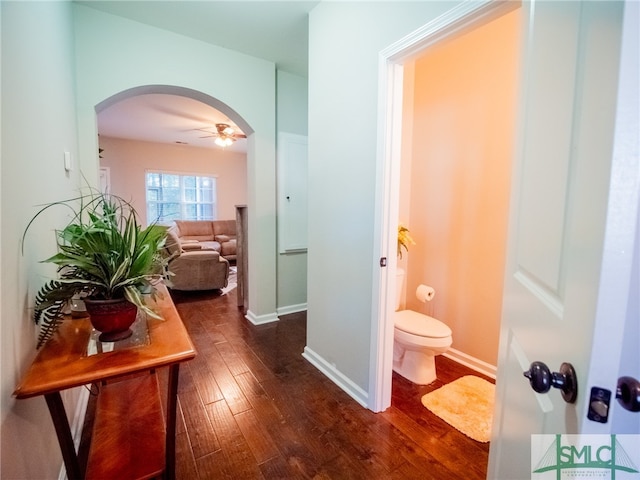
(421, 325)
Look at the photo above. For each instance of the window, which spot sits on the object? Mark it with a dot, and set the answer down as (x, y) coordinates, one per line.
(172, 196)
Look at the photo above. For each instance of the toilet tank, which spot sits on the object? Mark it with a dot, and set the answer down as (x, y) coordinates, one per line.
(400, 273)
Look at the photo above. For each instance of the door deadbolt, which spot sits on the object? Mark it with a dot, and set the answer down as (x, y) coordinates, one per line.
(542, 379)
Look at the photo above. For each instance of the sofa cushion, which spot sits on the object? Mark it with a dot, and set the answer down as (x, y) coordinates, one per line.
(222, 238)
(198, 270)
(195, 229)
(224, 227)
(229, 248)
(210, 246)
(172, 243)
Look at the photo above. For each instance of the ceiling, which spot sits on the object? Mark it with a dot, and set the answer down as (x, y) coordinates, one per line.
(163, 118)
(276, 31)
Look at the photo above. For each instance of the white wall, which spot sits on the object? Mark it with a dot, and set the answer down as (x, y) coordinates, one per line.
(38, 125)
(115, 54)
(344, 41)
(129, 160)
(292, 118)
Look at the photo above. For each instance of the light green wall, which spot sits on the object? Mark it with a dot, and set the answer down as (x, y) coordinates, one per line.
(38, 125)
(293, 96)
(292, 118)
(345, 39)
(115, 54)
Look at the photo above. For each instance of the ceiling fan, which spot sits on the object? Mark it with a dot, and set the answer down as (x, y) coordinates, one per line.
(224, 135)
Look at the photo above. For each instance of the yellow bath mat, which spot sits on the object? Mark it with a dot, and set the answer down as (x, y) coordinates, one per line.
(466, 404)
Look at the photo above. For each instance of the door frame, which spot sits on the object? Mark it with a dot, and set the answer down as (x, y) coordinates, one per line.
(619, 273)
(459, 20)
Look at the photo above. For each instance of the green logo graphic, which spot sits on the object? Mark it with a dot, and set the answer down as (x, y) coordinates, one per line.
(604, 455)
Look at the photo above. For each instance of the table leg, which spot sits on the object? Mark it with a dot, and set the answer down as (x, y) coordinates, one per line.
(63, 431)
(172, 404)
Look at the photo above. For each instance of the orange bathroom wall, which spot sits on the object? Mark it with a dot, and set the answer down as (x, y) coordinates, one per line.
(464, 117)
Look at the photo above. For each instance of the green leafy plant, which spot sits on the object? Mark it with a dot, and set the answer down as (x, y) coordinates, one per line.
(404, 239)
(103, 253)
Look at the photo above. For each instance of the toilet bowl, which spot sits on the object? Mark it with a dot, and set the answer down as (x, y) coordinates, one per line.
(417, 339)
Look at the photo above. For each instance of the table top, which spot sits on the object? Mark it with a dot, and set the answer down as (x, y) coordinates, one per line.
(64, 362)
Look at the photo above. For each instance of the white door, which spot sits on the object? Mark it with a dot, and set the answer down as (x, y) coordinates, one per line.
(558, 225)
(105, 179)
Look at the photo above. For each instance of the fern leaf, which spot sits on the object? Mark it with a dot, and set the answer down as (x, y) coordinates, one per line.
(49, 302)
(50, 319)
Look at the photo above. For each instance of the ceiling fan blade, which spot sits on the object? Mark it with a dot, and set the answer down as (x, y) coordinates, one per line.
(179, 113)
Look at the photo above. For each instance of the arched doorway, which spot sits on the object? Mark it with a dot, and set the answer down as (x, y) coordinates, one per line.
(193, 112)
(179, 91)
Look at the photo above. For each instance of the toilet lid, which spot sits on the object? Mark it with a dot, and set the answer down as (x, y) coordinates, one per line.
(423, 325)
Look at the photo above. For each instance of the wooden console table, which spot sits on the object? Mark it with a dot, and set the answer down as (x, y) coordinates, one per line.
(130, 438)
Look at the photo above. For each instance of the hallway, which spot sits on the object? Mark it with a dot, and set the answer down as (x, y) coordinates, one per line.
(251, 407)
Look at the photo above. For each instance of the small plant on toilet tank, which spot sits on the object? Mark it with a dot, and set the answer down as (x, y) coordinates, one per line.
(404, 239)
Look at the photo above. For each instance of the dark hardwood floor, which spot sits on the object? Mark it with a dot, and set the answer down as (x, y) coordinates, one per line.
(251, 407)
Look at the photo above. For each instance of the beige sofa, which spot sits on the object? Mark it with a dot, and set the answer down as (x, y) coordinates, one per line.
(194, 269)
(218, 235)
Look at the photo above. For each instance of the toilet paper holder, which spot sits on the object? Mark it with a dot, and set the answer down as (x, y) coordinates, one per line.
(424, 293)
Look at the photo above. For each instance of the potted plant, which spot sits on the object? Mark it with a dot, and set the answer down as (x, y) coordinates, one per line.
(404, 239)
(105, 256)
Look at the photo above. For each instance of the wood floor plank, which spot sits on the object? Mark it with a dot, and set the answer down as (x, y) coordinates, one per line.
(226, 381)
(300, 457)
(256, 367)
(234, 362)
(201, 434)
(180, 425)
(233, 444)
(214, 334)
(213, 466)
(257, 437)
(261, 403)
(355, 440)
(446, 446)
(202, 377)
(185, 468)
(278, 468)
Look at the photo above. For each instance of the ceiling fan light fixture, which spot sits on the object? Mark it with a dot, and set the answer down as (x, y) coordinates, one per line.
(223, 141)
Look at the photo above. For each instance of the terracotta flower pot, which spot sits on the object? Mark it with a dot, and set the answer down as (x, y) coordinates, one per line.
(112, 318)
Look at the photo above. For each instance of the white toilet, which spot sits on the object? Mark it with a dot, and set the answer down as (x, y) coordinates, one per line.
(417, 339)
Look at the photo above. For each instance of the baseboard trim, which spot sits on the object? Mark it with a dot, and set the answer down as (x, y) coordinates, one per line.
(261, 319)
(300, 307)
(76, 425)
(471, 362)
(337, 377)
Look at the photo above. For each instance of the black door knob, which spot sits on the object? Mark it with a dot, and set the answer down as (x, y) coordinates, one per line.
(628, 393)
(542, 379)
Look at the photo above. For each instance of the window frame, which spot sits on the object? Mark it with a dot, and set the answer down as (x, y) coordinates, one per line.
(183, 202)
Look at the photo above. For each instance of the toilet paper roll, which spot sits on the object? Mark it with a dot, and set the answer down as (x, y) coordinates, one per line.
(425, 293)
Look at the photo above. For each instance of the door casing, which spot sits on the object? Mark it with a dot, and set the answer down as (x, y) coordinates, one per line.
(457, 21)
